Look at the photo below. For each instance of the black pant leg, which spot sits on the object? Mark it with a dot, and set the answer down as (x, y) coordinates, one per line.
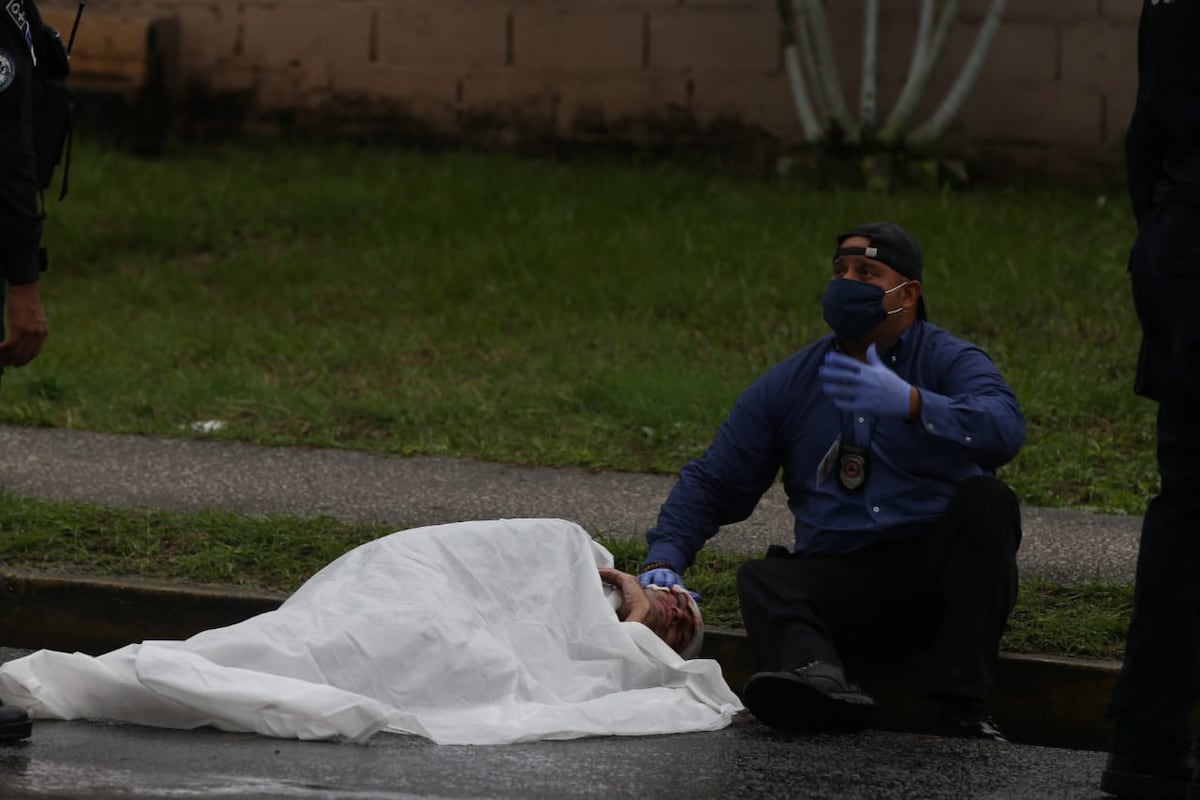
(972, 557)
(952, 588)
(783, 610)
(1159, 682)
(866, 604)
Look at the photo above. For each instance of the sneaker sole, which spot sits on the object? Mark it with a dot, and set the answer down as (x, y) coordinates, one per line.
(1137, 784)
(781, 701)
(13, 731)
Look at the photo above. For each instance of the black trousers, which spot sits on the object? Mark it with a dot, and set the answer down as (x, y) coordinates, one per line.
(951, 590)
(1159, 683)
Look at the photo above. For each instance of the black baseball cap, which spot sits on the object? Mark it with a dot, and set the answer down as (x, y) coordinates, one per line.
(891, 244)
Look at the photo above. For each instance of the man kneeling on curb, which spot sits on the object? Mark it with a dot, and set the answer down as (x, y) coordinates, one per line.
(888, 433)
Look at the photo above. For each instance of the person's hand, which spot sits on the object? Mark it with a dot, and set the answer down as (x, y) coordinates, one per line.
(660, 577)
(26, 326)
(634, 605)
(664, 577)
(869, 387)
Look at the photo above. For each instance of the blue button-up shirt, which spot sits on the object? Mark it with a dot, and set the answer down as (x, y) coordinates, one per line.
(970, 424)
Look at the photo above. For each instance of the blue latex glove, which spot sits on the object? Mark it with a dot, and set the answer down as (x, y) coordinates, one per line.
(871, 387)
(665, 577)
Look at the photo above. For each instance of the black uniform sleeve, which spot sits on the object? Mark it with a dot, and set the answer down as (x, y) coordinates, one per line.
(1145, 149)
(1166, 115)
(20, 221)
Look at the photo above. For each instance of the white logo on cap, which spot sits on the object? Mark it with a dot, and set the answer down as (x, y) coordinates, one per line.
(871, 252)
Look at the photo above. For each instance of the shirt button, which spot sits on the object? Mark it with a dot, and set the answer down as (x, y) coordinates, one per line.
(861, 420)
(966, 438)
(930, 426)
(875, 509)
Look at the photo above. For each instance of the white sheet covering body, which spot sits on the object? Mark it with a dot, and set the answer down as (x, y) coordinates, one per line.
(469, 633)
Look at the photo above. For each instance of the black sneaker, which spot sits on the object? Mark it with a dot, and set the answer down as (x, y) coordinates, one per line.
(14, 723)
(1165, 777)
(969, 719)
(815, 697)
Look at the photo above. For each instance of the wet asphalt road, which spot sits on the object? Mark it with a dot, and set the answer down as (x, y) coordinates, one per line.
(90, 760)
(97, 760)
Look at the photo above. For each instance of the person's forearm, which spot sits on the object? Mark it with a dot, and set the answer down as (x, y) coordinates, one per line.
(634, 605)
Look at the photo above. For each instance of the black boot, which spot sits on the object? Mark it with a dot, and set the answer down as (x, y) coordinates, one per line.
(817, 696)
(969, 719)
(1144, 764)
(14, 723)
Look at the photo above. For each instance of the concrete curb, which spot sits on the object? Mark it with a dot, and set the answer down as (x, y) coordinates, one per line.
(1057, 702)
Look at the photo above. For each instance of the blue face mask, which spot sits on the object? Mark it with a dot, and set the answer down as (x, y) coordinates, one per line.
(853, 308)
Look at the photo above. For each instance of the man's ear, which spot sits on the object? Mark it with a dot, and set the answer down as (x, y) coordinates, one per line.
(912, 295)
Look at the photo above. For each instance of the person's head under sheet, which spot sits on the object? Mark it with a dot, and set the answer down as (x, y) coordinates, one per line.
(671, 613)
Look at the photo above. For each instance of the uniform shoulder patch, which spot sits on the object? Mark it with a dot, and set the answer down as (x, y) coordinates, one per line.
(8, 69)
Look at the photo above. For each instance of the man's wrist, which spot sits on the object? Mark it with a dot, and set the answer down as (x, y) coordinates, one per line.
(914, 402)
(656, 565)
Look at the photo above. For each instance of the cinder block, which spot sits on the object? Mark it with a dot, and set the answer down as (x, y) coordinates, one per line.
(306, 33)
(1118, 108)
(631, 107)
(561, 37)
(1019, 53)
(1121, 10)
(757, 100)
(210, 33)
(1100, 55)
(230, 75)
(527, 100)
(588, 104)
(707, 39)
(1034, 11)
(1049, 115)
(419, 33)
(293, 86)
(756, 6)
(428, 95)
(116, 50)
(1019, 11)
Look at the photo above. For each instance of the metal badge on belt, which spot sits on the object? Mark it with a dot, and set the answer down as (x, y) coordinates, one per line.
(8, 69)
(852, 467)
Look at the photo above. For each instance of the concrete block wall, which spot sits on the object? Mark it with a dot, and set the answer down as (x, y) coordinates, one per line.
(1054, 96)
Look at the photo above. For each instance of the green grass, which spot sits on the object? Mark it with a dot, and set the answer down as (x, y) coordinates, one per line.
(279, 553)
(592, 314)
